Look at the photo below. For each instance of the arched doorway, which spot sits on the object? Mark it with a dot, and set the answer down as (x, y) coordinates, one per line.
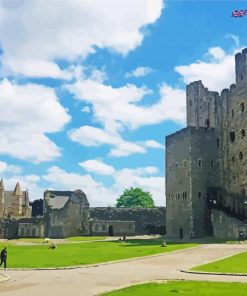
(110, 230)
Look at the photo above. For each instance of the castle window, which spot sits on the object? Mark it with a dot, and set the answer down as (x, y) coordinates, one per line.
(233, 158)
(218, 142)
(242, 133)
(218, 120)
(199, 162)
(207, 123)
(232, 113)
(199, 194)
(241, 156)
(185, 163)
(212, 163)
(184, 195)
(242, 107)
(232, 136)
(178, 196)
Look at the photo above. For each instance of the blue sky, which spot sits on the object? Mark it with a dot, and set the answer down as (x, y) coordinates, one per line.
(90, 89)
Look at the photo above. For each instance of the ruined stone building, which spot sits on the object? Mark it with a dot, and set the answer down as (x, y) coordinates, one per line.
(206, 162)
(66, 213)
(63, 214)
(14, 204)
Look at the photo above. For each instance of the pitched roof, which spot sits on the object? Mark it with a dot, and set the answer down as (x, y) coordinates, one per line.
(17, 190)
(1, 185)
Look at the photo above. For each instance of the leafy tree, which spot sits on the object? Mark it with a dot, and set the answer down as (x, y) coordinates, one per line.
(135, 197)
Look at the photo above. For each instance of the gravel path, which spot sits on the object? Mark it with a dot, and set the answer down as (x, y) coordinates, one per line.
(88, 281)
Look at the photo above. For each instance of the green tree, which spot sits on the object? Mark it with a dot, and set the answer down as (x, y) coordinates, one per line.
(135, 197)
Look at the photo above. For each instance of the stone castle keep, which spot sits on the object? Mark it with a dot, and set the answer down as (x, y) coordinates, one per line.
(206, 162)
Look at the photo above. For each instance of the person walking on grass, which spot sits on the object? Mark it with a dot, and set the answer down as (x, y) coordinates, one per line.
(3, 256)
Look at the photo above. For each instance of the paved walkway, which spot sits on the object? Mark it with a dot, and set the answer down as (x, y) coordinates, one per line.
(88, 281)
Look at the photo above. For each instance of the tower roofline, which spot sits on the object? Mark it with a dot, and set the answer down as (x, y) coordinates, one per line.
(17, 191)
(1, 185)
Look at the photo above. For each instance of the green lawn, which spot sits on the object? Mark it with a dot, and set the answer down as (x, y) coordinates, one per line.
(84, 253)
(233, 264)
(85, 238)
(183, 288)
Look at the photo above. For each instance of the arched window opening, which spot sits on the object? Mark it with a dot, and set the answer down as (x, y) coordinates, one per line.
(199, 194)
(241, 156)
(199, 162)
(207, 123)
(243, 133)
(218, 142)
(232, 136)
(212, 163)
(232, 113)
(242, 107)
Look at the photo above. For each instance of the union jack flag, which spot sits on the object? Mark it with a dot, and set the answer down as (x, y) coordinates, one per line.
(239, 13)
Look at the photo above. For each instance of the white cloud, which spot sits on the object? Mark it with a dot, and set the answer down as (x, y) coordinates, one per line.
(154, 144)
(4, 168)
(126, 148)
(100, 195)
(85, 109)
(96, 192)
(90, 136)
(97, 166)
(139, 72)
(53, 30)
(119, 108)
(216, 70)
(28, 112)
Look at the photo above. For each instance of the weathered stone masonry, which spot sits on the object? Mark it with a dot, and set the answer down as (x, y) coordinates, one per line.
(206, 163)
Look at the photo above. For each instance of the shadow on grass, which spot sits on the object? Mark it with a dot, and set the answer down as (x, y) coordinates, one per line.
(147, 243)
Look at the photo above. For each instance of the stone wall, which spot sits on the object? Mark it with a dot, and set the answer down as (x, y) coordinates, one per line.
(147, 221)
(33, 227)
(215, 141)
(113, 227)
(68, 221)
(8, 228)
(225, 226)
(178, 185)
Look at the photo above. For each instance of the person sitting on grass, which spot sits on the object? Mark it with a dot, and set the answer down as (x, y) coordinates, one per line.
(52, 246)
(4, 257)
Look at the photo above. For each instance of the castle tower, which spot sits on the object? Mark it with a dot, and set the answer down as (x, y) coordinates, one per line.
(1, 199)
(241, 69)
(18, 193)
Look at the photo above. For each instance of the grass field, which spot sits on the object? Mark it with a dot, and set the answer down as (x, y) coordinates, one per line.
(71, 254)
(178, 288)
(233, 264)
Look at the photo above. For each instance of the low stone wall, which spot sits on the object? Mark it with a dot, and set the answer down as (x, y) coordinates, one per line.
(33, 227)
(226, 227)
(8, 228)
(147, 221)
(112, 228)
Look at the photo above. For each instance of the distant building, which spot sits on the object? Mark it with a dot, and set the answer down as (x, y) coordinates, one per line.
(14, 204)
